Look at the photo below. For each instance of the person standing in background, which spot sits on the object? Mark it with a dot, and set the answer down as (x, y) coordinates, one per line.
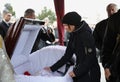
(100, 27)
(111, 49)
(0, 17)
(46, 30)
(45, 34)
(29, 13)
(5, 23)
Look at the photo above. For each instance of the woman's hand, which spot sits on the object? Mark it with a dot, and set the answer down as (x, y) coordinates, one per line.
(47, 69)
(72, 74)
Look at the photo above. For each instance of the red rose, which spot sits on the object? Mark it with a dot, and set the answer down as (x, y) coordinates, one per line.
(27, 73)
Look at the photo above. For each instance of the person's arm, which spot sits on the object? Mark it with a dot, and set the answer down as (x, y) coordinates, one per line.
(67, 56)
(96, 36)
(108, 44)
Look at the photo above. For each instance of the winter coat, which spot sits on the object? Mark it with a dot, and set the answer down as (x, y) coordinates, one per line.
(81, 43)
(112, 32)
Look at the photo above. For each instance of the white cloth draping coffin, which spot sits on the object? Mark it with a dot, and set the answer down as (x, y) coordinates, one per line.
(22, 78)
(23, 48)
(46, 56)
(22, 60)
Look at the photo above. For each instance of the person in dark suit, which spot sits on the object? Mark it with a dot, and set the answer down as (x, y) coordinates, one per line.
(111, 49)
(100, 27)
(47, 30)
(43, 35)
(5, 23)
(81, 43)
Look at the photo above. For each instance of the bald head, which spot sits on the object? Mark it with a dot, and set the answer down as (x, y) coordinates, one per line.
(111, 9)
(29, 13)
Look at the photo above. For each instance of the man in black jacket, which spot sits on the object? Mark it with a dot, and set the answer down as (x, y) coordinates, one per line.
(109, 43)
(99, 30)
(43, 33)
(5, 24)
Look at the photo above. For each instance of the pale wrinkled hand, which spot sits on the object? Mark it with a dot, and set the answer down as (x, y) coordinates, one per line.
(47, 69)
(107, 73)
(72, 74)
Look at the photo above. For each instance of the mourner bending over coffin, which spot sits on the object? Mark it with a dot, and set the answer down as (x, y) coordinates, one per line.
(81, 43)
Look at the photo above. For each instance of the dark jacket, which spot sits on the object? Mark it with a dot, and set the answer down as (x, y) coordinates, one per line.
(4, 28)
(99, 32)
(81, 43)
(113, 29)
(43, 35)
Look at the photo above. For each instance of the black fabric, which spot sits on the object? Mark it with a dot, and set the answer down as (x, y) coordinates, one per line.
(72, 18)
(115, 66)
(4, 28)
(99, 32)
(108, 57)
(43, 35)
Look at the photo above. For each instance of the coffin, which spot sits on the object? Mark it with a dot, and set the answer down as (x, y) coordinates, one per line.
(40, 59)
(19, 43)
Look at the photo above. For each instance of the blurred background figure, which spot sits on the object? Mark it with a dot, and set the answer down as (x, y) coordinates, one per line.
(47, 30)
(45, 36)
(5, 23)
(0, 17)
(29, 13)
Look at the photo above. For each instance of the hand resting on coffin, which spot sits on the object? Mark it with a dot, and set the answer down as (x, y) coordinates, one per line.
(72, 74)
(43, 73)
(47, 69)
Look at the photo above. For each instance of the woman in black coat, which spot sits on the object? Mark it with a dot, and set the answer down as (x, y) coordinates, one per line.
(81, 43)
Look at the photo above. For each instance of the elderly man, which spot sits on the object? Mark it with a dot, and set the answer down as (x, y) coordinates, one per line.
(99, 30)
(44, 34)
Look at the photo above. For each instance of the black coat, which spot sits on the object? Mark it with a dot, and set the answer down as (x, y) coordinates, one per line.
(43, 35)
(99, 32)
(3, 28)
(81, 43)
(113, 29)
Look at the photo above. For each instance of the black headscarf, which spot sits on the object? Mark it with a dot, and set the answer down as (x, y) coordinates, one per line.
(72, 18)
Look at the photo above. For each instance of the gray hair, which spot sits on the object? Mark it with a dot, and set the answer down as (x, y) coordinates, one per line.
(5, 12)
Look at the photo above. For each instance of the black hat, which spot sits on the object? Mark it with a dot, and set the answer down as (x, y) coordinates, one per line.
(72, 18)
